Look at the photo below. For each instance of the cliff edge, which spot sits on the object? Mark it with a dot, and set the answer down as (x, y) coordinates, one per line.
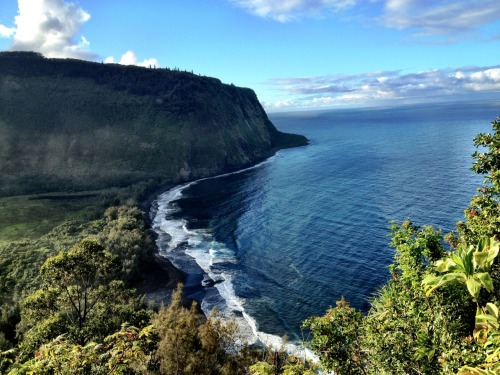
(71, 125)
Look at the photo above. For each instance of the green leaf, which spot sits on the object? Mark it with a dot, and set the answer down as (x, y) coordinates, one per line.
(486, 251)
(474, 287)
(431, 354)
(484, 260)
(485, 280)
(432, 282)
(460, 260)
(467, 370)
(468, 261)
(483, 318)
(483, 244)
(261, 368)
(444, 265)
(492, 309)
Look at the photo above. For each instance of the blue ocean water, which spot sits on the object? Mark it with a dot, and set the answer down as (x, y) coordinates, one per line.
(286, 239)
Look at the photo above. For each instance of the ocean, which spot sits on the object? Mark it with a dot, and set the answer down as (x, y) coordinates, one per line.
(284, 240)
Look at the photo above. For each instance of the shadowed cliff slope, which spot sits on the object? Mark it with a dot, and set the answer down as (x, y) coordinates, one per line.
(69, 125)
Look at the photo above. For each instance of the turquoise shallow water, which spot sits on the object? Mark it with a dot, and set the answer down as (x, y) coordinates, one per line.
(286, 239)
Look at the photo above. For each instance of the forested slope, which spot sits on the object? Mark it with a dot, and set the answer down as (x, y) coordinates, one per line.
(71, 125)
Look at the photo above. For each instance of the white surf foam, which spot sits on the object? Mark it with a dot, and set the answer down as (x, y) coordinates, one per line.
(207, 252)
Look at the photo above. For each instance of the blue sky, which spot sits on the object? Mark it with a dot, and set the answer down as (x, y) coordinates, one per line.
(296, 54)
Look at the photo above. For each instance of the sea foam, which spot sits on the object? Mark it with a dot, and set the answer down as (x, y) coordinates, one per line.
(181, 245)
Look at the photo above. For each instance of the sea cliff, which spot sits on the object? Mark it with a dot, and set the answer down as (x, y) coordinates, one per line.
(71, 125)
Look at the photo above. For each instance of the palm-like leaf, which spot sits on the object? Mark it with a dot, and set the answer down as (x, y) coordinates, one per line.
(432, 282)
(469, 266)
(486, 251)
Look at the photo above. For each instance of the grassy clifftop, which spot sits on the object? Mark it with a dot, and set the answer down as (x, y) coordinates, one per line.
(71, 125)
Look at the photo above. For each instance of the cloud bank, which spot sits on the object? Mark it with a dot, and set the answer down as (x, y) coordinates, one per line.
(288, 10)
(6, 32)
(386, 87)
(52, 27)
(423, 17)
(439, 17)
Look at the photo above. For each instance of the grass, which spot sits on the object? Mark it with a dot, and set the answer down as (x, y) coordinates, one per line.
(31, 216)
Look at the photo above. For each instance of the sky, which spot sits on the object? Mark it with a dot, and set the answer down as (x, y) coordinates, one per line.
(295, 54)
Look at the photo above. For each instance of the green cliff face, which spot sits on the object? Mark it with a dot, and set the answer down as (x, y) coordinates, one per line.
(73, 125)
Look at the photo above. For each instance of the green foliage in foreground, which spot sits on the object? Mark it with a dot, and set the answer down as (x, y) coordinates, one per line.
(69, 320)
(80, 296)
(127, 351)
(336, 337)
(122, 230)
(176, 341)
(188, 347)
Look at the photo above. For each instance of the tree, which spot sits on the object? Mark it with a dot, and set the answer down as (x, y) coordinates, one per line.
(471, 266)
(188, 346)
(177, 328)
(276, 361)
(414, 248)
(125, 235)
(483, 214)
(475, 262)
(405, 331)
(336, 339)
(79, 296)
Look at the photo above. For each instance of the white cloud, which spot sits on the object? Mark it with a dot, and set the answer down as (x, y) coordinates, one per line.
(386, 87)
(50, 27)
(422, 17)
(6, 32)
(489, 75)
(287, 10)
(439, 17)
(130, 58)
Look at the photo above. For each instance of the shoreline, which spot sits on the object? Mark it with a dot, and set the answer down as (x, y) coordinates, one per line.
(193, 274)
(163, 276)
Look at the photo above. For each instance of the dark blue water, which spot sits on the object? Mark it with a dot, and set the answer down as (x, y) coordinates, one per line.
(288, 238)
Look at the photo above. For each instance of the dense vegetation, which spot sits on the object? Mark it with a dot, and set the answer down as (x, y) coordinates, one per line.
(81, 318)
(71, 125)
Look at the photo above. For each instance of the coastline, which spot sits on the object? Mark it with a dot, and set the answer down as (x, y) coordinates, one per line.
(218, 292)
(163, 276)
(160, 281)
